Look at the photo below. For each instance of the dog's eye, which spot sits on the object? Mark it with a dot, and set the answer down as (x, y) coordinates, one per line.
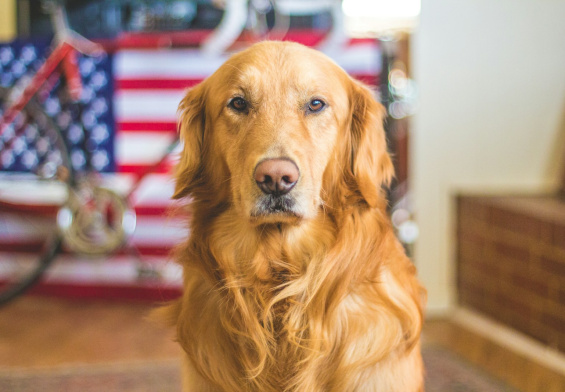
(316, 105)
(238, 104)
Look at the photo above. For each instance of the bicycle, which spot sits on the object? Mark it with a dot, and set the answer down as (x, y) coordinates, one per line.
(78, 214)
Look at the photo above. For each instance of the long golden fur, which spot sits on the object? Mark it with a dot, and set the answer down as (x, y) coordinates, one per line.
(318, 295)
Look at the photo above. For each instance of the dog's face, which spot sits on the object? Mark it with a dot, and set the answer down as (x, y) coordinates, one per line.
(275, 129)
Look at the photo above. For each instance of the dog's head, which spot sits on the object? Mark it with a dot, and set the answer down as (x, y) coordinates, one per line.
(278, 131)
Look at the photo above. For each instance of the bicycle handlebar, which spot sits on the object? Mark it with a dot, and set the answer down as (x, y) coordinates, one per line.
(65, 35)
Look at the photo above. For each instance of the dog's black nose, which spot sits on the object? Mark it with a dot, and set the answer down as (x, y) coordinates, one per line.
(276, 176)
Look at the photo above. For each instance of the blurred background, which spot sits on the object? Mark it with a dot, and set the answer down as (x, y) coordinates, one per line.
(475, 94)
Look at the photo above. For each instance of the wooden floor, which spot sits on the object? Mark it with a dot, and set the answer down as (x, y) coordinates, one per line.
(42, 332)
(49, 332)
(516, 370)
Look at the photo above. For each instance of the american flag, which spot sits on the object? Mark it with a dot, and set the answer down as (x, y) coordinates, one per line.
(127, 122)
(88, 126)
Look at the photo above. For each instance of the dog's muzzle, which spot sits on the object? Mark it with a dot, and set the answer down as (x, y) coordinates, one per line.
(276, 177)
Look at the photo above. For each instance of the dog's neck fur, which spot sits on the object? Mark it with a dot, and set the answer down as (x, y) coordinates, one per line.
(270, 288)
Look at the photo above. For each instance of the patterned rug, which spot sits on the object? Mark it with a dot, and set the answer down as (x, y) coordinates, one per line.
(446, 372)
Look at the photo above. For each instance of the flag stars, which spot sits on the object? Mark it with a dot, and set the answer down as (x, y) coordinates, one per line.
(87, 128)
(75, 134)
(87, 94)
(6, 80)
(99, 106)
(18, 69)
(89, 119)
(64, 119)
(28, 54)
(29, 159)
(6, 55)
(42, 146)
(86, 66)
(19, 145)
(98, 80)
(100, 133)
(52, 106)
(100, 160)
(78, 160)
(7, 158)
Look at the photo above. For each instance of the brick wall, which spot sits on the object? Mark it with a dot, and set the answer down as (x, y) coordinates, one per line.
(511, 262)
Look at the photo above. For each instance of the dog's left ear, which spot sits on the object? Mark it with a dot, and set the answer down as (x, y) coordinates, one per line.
(191, 132)
(371, 164)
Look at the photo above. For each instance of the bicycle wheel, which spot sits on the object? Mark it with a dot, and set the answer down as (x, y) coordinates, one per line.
(35, 178)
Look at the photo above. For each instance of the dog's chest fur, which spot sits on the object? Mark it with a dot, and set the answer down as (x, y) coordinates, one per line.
(276, 264)
(268, 313)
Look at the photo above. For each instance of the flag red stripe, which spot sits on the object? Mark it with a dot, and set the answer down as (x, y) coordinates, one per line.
(156, 84)
(35, 211)
(130, 126)
(21, 246)
(370, 79)
(158, 40)
(179, 84)
(32, 210)
(308, 37)
(133, 291)
(30, 247)
(151, 210)
(196, 37)
(141, 169)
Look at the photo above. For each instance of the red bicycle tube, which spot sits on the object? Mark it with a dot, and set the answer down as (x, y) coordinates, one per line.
(72, 75)
(58, 55)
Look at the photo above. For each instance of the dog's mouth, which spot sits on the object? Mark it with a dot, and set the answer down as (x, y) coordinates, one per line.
(274, 209)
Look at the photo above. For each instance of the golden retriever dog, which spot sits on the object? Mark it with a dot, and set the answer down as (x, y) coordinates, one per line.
(293, 277)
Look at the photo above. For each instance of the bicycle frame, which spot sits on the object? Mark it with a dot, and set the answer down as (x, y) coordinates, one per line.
(64, 54)
(61, 54)
(62, 60)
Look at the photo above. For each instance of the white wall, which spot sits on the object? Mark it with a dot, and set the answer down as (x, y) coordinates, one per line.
(491, 75)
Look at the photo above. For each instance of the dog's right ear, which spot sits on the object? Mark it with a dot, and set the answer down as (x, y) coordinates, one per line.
(191, 131)
(370, 161)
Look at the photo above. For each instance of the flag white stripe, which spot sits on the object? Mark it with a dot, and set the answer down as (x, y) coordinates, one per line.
(141, 148)
(155, 190)
(172, 63)
(114, 270)
(364, 58)
(155, 231)
(147, 105)
(359, 59)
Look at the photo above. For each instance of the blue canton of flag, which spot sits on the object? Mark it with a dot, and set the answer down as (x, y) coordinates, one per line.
(87, 125)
